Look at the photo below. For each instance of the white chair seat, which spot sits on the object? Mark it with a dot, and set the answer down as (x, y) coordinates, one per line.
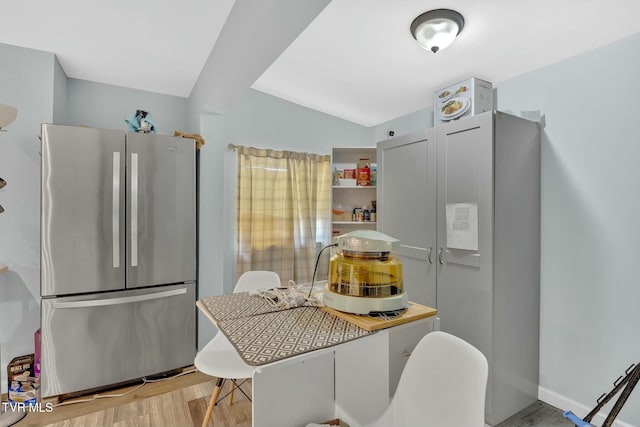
(220, 359)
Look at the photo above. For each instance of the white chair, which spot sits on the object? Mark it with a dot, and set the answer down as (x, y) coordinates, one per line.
(219, 358)
(443, 384)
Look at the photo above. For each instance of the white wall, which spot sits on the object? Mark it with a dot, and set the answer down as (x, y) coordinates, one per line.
(590, 322)
(258, 120)
(412, 122)
(34, 82)
(105, 106)
(27, 83)
(60, 88)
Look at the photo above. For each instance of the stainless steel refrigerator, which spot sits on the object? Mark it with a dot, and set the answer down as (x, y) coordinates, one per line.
(118, 256)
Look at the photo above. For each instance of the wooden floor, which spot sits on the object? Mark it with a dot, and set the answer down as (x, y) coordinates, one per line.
(178, 402)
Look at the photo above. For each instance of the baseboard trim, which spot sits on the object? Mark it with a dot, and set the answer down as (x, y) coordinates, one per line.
(565, 404)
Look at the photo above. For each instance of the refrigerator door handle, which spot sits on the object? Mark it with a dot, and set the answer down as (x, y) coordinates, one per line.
(117, 301)
(134, 210)
(115, 210)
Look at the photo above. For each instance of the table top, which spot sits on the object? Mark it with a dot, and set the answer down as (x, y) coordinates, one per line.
(270, 335)
(414, 312)
(263, 333)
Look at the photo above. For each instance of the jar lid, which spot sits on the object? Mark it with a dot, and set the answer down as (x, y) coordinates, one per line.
(366, 241)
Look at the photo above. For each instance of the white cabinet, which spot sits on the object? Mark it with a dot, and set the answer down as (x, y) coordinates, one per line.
(353, 381)
(464, 200)
(367, 370)
(346, 194)
(402, 340)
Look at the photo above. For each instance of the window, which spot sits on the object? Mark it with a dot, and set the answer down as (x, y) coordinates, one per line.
(283, 210)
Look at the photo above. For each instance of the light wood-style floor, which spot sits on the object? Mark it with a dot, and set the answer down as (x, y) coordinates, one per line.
(177, 402)
(182, 402)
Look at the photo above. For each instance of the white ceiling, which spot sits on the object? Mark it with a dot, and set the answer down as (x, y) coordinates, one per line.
(356, 60)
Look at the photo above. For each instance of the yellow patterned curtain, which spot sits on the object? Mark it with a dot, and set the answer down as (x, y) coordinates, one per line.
(283, 211)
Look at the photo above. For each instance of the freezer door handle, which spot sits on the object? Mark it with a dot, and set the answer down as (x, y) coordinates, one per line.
(117, 301)
(115, 210)
(134, 209)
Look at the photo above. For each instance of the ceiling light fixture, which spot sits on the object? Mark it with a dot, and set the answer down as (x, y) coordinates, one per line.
(437, 29)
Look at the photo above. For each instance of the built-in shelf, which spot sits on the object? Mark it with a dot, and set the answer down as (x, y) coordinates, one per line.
(346, 195)
(354, 222)
(3, 268)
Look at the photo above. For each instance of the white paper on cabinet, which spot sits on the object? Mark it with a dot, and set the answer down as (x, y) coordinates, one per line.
(462, 226)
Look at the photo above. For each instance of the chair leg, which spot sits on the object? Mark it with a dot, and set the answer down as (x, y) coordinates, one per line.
(233, 386)
(212, 402)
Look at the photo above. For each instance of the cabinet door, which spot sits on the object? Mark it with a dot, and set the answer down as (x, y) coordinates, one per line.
(407, 208)
(465, 228)
(402, 340)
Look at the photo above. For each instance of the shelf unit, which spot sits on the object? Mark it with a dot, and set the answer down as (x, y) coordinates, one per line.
(346, 197)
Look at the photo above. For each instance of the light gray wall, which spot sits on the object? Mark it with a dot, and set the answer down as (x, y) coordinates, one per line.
(105, 106)
(27, 83)
(60, 87)
(590, 322)
(35, 83)
(262, 120)
(35, 77)
(258, 120)
(589, 274)
(412, 122)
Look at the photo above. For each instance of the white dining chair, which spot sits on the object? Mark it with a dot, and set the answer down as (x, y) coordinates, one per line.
(219, 358)
(443, 384)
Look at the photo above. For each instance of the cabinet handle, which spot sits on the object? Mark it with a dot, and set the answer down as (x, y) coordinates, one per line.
(440, 255)
(118, 301)
(429, 255)
(134, 210)
(115, 210)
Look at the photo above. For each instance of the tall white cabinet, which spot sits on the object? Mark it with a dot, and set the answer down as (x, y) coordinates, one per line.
(464, 200)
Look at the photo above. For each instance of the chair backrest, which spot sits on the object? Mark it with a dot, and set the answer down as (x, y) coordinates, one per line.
(443, 384)
(257, 280)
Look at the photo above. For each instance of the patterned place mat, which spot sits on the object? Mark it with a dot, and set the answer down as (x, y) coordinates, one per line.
(263, 333)
(265, 338)
(235, 306)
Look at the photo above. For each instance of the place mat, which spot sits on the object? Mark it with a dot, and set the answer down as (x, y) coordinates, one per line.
(265, 338)
(234, 306)
(263, 333)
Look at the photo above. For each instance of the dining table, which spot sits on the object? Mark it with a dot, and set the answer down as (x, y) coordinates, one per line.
(314, 363)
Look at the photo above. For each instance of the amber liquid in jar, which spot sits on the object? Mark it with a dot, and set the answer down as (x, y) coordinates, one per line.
(372, 275)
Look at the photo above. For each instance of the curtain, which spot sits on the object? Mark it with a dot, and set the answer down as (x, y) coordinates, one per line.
(283, 211)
